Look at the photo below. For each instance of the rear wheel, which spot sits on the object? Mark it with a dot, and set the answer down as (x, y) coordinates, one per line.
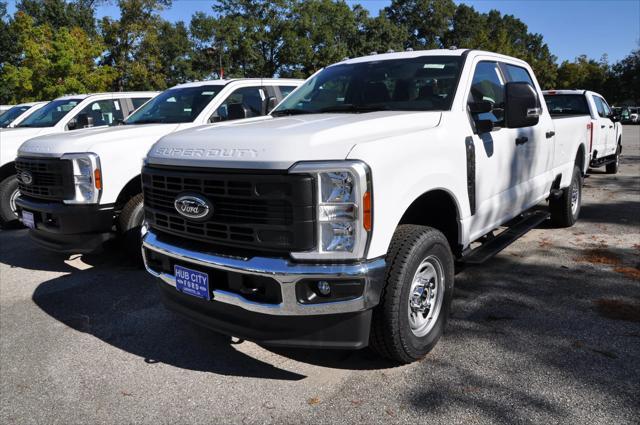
(612, 168)
(565, 209)
(8, 194)
(416, 300)
(130, 224)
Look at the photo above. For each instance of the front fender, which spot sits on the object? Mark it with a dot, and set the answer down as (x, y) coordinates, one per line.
(405, 167)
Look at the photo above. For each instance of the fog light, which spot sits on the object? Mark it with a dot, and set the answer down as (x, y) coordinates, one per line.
(324, 288)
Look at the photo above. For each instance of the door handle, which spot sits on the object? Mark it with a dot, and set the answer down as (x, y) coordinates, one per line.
(602, 126)
(550, 134)
(610, 126)
(522, 140)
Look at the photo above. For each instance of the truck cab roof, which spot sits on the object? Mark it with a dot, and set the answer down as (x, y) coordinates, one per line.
(224, 82)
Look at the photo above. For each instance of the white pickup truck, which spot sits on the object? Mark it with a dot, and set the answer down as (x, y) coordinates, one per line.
(78, 190)
(571, 109)
(336, 220)
(65, 115)
(19, 113)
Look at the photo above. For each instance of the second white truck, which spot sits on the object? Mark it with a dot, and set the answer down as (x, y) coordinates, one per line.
(336, 221)
(79, 189)
(575, 109)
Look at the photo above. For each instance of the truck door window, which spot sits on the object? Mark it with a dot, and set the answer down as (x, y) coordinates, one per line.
(285, 90)
(104, 112)
(138, 101)
(600, 107)
(517, 74)
(252, 98)
(488, 85)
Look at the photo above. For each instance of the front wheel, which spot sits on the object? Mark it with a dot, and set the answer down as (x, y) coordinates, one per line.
(8, 194)
(416, 299)
(130, 224)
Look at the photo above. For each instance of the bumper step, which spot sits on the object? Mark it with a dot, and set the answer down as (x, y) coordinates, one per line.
(494, 245)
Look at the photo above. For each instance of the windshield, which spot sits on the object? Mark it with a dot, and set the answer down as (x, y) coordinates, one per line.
(50, 114)
(567, 104)
(175, 105)
(11, 115)
(426, 83)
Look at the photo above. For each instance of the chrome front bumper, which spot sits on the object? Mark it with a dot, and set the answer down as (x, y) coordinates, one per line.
(286, 273)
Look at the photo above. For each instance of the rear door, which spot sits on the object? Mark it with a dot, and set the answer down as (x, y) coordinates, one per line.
(610, 128)
(603, 127)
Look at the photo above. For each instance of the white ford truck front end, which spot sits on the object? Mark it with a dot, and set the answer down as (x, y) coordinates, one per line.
(335, 222)
(79, 189)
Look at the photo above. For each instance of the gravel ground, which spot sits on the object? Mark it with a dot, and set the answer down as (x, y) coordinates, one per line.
(546, 332)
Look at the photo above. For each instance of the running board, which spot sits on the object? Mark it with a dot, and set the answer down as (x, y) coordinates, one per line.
(597, 163)
(496, 244)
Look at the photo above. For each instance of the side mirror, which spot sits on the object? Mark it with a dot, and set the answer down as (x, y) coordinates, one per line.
(614, 117)
(272, 102)
(480, 107)
(80, 121)
(72, 124)
(522, 105)
(237, 111)
(483, 126)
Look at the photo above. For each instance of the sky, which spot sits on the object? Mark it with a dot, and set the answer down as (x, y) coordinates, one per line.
(570, 27)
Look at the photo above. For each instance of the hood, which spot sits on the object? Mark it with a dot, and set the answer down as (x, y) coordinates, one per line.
(93, 139)
(12, 138)
(278, 143)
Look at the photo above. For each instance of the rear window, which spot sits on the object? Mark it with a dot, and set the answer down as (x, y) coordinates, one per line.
(567, 104)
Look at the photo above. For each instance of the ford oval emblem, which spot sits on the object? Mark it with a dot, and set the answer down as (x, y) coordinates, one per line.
(26, 177)
(194, 207)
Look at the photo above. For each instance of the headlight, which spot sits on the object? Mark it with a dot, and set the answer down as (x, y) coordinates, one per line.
(343, 209)
(87, 178)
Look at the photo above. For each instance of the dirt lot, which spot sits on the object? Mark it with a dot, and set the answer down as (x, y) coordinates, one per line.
(546, 332)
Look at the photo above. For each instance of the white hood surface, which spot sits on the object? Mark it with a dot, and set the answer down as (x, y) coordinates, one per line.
(12, 138)
(279, 142)
(94, 139)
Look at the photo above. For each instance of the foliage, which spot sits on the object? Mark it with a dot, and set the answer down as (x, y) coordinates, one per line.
(55, 46)
(52, 62)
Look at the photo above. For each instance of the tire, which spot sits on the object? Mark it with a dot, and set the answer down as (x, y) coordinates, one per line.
(565, 209)
(396, 331)
(129, 225)
(613, 167)
(8, 193)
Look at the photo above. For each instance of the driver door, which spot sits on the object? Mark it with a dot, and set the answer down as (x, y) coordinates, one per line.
(498, 171)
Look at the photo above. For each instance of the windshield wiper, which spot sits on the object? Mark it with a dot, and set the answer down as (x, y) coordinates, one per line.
(353, 108)
(291, 111)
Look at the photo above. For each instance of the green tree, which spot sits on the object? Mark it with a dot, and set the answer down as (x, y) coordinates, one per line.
(61, 13)
(583, 73)
(133, 45)
(426, 21)
(324, 32)
(251, 35)
(376, 34)
(468, 29)
(624, 80)
(52, 63)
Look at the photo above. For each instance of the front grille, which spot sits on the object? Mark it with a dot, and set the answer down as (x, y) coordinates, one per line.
(253, 211)
(51, 178)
